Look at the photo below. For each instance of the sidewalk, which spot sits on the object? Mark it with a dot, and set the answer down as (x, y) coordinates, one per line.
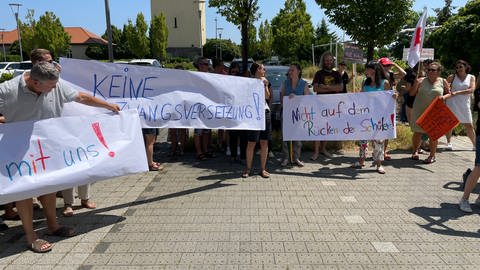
(202, 215)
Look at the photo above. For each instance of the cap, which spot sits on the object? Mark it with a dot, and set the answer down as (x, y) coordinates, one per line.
(384, 61)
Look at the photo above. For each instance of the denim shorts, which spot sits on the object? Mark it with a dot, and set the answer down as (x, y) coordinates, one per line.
(200, 131)
(150, 131)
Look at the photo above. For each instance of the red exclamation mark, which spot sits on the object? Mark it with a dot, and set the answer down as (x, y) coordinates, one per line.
(392, 119)
(98, 132)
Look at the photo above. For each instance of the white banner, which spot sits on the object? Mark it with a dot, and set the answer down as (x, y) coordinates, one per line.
(170, 97)
(55, 154)
(339, 117)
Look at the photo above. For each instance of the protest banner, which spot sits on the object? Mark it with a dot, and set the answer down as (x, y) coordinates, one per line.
(170, 98)
(437, 119)
(55, 154)
(338, 117)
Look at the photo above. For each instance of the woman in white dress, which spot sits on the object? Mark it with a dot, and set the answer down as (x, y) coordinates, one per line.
(462, 87)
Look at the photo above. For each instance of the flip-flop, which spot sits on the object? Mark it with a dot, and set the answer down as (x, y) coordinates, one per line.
(265, 174)
(246, 173)
(415, 157)
(63, 231)
(88, 204)
(429, 160)
(381, 170)
(357, 165)
(36, 246)
(67, 211)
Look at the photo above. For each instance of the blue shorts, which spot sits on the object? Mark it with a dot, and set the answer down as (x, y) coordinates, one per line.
(150, 131)
(200, 131)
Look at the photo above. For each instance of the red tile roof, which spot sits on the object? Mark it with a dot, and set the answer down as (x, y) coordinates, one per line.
(78, 36)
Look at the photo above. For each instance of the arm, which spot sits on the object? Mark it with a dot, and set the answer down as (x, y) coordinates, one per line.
(306, 91)
(322, 88)
(401, 72)
(414, 89)
(96, 102)
(467, 91)
(446, 90)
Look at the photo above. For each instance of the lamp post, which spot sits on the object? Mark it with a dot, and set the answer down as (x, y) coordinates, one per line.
(220, 30)
(3, 46)
(109, 31)
(15, 7)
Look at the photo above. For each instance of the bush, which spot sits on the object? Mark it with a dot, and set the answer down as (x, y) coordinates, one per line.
(6, 77)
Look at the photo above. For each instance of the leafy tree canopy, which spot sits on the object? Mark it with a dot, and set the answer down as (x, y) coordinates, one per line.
(372, 23)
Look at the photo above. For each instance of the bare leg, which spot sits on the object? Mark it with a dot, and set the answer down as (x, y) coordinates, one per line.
(471, 182)
(263, 154)
(470, 133)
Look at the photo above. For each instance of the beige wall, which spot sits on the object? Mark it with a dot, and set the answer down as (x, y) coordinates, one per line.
(186, 12)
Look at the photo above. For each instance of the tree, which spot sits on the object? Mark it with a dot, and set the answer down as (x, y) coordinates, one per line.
(158, 37)
(459, 36)
(47, 33)
(443, 14)
(136, 36)
(241, 13)
(323, 36)
(229, 49)
(120, 46)
(372, 23)
(265, 40)
(292, 31)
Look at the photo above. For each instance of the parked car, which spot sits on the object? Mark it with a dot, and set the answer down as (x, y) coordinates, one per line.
(24, 65)
(276, 75)
(8, 67)
(145, 62)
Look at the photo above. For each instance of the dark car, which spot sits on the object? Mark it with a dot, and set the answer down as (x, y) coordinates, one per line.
(276, 75)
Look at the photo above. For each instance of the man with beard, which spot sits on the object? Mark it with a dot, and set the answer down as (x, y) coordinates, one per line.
(326, 81)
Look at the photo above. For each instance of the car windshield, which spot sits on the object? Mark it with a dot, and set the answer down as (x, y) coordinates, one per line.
(25, 65)
(2, 65)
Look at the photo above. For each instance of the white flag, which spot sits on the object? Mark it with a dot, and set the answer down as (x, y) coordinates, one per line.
(418, 37)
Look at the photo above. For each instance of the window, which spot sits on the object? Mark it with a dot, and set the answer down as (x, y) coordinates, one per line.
(175, 23)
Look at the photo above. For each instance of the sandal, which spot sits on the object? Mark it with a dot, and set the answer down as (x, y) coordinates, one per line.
(63, 231)
(415, 156)
(245, 173)
(357, 165)
(429, 160)
(67, 210)
(380, 170)
(265, 174)
(201, 157)
(314, 157)
(40, 246)
(387, 157)
(88, 204)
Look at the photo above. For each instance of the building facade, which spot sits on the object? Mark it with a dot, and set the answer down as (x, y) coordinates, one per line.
(186, 25)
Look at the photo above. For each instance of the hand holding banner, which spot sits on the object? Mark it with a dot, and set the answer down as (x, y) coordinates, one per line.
(437, 119)
(58, 153)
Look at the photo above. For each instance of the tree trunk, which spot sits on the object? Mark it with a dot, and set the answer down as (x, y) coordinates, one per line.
(370, 53)
(244, 45)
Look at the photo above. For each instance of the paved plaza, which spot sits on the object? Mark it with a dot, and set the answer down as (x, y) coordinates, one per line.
(203, 215)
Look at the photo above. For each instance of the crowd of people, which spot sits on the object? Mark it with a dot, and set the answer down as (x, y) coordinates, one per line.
(421, 86)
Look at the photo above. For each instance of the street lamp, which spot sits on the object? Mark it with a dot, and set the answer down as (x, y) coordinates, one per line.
(220, 30)
(3, 46)
(15, 7)
(109, 31)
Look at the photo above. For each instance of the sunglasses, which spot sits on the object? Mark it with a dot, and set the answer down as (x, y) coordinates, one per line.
(432, 70)
(459, 67)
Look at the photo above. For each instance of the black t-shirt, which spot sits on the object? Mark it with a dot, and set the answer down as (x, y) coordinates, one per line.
(327, 78)
(345, 80)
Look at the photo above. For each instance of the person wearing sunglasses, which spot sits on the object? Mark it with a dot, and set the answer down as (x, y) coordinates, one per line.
(427, 90)
(463, 85)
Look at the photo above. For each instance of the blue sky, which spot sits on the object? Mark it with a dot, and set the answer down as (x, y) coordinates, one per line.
(90, 14)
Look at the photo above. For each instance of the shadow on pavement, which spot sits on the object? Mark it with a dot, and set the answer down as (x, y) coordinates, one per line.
(437, 217)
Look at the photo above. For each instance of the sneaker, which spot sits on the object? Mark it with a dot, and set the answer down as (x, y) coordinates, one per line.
(465, 206)
(285, 162)
(449, 146)
(271, 155)
(299, 163)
